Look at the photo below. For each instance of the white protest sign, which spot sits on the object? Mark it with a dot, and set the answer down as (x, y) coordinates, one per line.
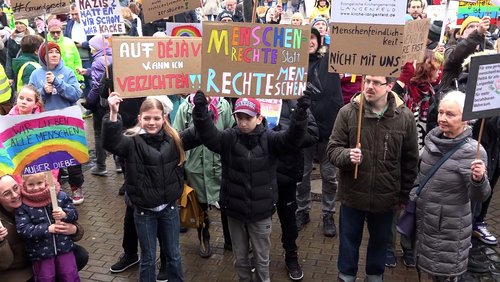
(101, 17)
(387, 12)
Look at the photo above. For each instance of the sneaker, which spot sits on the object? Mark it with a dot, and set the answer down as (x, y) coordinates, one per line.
(293, 267)
(99, 172)
(121, 191)
(162, 274)
(118, 168)
(302, 219)
(390, 259)
(125, 261)
(63, 173)
(87, 114)
(329, 229)
(480, 231)
(77, 195)
(408, 260)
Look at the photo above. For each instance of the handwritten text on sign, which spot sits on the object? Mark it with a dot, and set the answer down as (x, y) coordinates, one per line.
(23, 9)
(101, 17)
(41, 142)
(415, 39)
(156, 66)
(255, 60)
(365, 49)
(159, 9)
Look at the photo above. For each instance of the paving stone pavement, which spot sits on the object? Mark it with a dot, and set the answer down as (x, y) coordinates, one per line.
(102, 217)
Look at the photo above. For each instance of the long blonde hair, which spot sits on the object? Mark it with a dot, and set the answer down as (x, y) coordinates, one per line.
(155, 104)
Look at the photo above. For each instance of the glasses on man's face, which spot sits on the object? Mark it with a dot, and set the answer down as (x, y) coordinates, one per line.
(9, 193)
(55, 32)
(375, 83)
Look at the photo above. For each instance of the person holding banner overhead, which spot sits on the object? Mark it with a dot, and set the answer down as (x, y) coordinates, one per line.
(154, 155)
(387, 159)
(60, 89)
(443, 213)
(51, 254)
(14, 265)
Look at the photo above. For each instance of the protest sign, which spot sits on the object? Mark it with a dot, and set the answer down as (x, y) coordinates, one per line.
(415, 40)
(255, 60)
(158, 9)
(23, 9)
(101, 17)
(41, 142)
(387, 12)
(184, 29)
(144, 66)
(480, 8)
(483, 88)
(366, 49)
(437, 13)
(271, 110)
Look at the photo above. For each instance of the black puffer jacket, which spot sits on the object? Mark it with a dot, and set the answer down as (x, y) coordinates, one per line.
(153, 175)
(291, 165)
(249, 190)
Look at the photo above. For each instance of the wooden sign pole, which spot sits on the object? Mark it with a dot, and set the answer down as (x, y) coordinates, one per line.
(360, 117)
(481, 128)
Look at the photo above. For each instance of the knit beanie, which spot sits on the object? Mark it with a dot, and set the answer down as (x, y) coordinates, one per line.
(467, 21)
(23, 21)
(54, 23)
(42, 51)
(435, 31)
(316, 33)
(318, 19)
(98, 43)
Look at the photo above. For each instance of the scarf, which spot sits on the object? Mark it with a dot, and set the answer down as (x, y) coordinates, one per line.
(38, 199)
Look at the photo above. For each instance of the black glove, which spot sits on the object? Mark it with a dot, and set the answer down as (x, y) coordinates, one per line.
(304, 102)
(200, 101)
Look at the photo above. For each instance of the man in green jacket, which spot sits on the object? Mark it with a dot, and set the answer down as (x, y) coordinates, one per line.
(387, 159)
(27, 61)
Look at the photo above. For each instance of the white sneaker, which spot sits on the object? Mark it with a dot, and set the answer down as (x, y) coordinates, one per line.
(77, 196)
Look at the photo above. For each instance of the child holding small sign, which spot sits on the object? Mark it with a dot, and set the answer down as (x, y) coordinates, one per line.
(51, 253)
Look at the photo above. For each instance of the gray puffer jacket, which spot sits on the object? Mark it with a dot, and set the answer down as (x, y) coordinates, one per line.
(444, 220)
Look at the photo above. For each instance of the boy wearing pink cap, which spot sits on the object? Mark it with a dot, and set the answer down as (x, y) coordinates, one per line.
(249, 192)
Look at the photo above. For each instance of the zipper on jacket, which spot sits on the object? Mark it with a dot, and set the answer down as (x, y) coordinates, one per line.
(374, 167)
(53, 235)
(385, 145)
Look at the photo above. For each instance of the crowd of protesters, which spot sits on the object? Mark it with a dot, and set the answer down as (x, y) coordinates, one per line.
(225, 150)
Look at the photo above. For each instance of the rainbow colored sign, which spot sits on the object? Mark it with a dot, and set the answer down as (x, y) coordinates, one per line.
(41, 142)
(184, 29)
(479, 9)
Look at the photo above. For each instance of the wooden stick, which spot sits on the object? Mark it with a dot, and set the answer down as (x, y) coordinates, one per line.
(254, 11)
(106, 62)
(52, 190)
(360, 117)
(478, 156)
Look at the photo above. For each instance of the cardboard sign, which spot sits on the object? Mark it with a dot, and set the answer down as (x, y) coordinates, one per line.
(101, 17)
(42, 142)
(255, 60)
(386, 12)
(437, 12)
(158, 9)
(366, 49)
(23, 9)
(479, 9)
(184, 29)
(415, 40)
(144, 66)
(483, 88)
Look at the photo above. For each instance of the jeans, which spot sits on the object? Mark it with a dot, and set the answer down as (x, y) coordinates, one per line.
(351, 233)
(286, 208)
(75, 176)
(259, 235)
(406, 243)
(328, 180)
(166, 224)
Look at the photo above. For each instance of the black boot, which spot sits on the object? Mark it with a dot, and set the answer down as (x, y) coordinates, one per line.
(204, 238)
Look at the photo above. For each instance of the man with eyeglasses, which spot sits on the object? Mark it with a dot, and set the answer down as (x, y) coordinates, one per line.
(69, 52)
(386, 161)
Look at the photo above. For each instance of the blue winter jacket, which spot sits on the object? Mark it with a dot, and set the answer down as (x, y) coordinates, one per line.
(33, 225)
(67, 87)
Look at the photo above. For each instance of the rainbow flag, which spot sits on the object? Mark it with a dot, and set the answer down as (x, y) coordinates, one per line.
(478, 9)
(41, 142)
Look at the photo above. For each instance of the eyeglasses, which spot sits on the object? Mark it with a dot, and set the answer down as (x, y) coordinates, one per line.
(55, 32)
(375, 83)
(9, 193)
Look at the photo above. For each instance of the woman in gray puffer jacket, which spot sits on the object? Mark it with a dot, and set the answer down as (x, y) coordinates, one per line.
(444, 220)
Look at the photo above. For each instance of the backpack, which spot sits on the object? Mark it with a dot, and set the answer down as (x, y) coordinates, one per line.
(190, 212)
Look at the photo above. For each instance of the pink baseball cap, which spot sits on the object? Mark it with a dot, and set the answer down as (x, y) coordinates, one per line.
(249, 106)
